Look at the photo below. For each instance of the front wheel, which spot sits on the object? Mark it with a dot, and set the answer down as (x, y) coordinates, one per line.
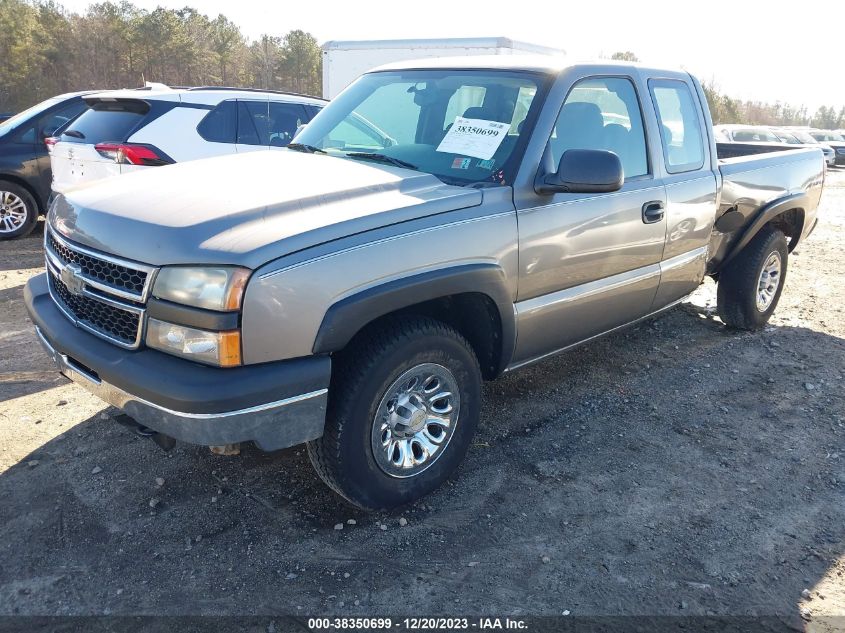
(18, 211)
(403, 408)
(750, 286)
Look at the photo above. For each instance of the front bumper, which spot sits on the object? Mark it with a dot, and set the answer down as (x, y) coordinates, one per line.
(275, 405)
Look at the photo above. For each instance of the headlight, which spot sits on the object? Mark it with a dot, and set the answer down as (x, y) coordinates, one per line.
(222, 349)
(212, 287)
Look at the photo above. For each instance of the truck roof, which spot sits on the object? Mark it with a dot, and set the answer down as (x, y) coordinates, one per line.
(552, 64)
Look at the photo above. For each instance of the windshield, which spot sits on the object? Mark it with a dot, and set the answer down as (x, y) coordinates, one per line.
(464, 127)
(787, 137)
(755, 135)
(827, 136)
(10, 124)
(804, 137)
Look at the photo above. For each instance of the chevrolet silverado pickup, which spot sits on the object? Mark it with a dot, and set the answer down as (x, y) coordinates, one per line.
(352, 291)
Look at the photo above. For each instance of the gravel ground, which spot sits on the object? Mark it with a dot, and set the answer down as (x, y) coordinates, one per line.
(676, 468)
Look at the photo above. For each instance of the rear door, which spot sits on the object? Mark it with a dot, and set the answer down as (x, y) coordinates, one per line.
(690, 187)
(74, 158)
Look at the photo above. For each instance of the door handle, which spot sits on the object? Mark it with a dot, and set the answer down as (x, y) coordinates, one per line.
(653, 212)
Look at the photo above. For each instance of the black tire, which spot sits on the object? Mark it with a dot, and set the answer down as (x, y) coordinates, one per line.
(9, 192)
(739, 281)
(344, 456)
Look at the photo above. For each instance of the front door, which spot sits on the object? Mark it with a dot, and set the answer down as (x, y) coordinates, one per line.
(591, 262)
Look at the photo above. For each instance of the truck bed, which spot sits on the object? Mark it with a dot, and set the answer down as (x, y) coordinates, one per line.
(754, 176)
(737, 150)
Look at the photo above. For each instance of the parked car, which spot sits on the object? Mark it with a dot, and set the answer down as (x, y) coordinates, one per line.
(768, 138)
(797, 137)
(132, 130)
(832, 139)
(354, 297)
(24, 163)
(736, 133)
(4, 116)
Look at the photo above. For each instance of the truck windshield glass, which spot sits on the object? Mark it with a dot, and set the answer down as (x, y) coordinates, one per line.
(465, 127)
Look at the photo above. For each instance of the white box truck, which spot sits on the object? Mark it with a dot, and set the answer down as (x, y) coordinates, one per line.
(344, 61)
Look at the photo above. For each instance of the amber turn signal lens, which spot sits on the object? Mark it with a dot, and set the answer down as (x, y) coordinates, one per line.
(235, 290)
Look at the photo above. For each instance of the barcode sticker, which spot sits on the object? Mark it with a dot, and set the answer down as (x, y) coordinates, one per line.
(474, 137)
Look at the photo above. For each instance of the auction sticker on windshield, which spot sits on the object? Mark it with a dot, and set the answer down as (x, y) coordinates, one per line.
(474, 137)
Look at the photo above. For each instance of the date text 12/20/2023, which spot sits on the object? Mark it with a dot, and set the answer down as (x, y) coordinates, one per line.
(417, 624)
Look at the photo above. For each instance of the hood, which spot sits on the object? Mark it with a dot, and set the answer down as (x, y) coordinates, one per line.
(246, 209)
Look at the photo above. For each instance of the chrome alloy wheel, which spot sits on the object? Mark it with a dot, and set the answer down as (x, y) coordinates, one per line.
(415, 420)
(767, 285)
(12, 212)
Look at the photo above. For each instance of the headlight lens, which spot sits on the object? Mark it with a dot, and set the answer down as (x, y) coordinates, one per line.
(214, 348)
(213, 287)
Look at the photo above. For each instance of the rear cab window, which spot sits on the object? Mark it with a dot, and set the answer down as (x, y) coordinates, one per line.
(106, 121)
(680, 127)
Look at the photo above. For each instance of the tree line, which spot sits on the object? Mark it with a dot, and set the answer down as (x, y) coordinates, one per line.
(725, 109)
(46, 50)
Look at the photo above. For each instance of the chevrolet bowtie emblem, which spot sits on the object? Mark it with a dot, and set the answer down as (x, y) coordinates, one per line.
(72, 279)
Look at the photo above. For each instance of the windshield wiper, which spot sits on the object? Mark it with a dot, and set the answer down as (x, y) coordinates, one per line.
(74, 133)
(308, 149)
(383, 158)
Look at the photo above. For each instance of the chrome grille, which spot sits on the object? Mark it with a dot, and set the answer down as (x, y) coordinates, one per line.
(114, 324)
(102, 294)
(109, 273)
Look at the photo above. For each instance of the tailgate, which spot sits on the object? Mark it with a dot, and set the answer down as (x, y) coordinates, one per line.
(75, 163)
(74, 158)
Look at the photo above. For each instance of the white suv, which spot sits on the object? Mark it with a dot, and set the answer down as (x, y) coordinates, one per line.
(126, 130)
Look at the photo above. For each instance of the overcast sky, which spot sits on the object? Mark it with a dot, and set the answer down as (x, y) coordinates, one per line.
(753, 49)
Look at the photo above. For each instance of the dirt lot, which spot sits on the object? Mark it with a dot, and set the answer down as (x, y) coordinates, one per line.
(676, 468)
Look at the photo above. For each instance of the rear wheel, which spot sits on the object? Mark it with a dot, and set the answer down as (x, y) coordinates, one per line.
(403, 408)
(750, 286)
(18, 211)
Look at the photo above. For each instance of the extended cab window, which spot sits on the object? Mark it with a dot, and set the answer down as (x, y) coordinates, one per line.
(680, 130)
(603, 113)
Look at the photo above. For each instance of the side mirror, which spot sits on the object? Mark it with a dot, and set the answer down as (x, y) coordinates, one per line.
(584, 171)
